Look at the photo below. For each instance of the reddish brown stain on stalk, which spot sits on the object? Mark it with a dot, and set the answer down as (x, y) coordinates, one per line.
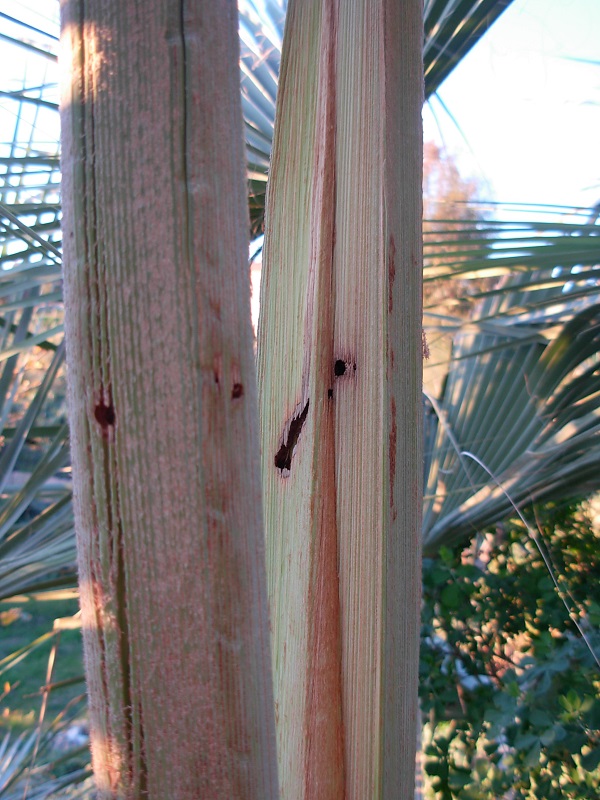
(391, 273)
(323, 724)
(215, 307)
(392, 456)
(217, 369)
(325, 747)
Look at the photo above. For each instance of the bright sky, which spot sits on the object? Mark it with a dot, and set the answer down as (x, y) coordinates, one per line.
(529, 113)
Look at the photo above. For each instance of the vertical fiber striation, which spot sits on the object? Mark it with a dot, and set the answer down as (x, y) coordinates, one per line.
(163, 406)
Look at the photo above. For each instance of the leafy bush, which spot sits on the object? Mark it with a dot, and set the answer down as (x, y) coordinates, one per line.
(509, 687)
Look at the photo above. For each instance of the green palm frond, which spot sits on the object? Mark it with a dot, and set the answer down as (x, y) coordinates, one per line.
(20, 777)
(518, 415)
(37, 547)
(520, 380)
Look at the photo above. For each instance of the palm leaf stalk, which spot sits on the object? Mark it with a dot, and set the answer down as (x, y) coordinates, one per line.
(164, 428)
(339, 360)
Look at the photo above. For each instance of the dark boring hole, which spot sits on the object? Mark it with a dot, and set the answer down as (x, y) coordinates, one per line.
(105, 415)
(339, 368)
(330, 393)
(283, 457)
(237, 391)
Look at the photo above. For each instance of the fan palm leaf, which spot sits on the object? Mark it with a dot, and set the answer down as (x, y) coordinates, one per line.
(517, 416)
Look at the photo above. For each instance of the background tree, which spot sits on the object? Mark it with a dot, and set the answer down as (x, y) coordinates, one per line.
(447, 198)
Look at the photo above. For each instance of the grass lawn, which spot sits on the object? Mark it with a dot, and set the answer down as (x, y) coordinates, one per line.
(22, 620)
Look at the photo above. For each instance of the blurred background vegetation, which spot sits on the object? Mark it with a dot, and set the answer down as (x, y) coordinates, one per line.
(511, 613)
